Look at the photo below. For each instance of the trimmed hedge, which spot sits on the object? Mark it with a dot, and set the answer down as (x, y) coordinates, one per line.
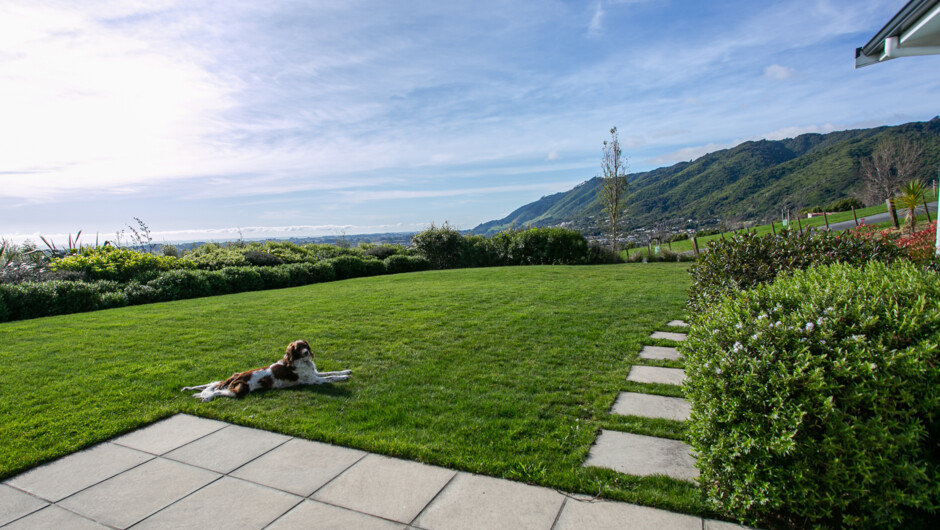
(816, 399)
(445, 248)
(746, 260)
(398, 264)
(38, 299)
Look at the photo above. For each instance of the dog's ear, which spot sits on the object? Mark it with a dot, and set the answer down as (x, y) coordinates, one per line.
(291, 354)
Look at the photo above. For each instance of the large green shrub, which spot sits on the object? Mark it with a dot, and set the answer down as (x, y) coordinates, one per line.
(119, 264)
(816, 399)
(539, 246)
(745, 260)
(444, 247)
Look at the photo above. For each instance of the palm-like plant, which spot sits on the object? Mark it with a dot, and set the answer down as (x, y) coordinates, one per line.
(911, 196)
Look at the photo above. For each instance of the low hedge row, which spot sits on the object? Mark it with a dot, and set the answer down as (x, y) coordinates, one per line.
(38, 299)
(746, 260)
(816, 398)
(446, 248)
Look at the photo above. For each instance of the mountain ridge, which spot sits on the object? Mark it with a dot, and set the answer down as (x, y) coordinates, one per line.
(750, 181)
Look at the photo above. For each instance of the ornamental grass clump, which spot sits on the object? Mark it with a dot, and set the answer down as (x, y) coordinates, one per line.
(816, 399)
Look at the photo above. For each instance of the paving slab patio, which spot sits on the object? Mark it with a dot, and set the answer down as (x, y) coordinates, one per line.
(640, 455)
(668, 335)
(54, 517)
(155, 478)
(386, 487)
(313, 514)
(124, 499)
(618, 516)
(650, 406)
(15, 504)
(281, 468)
(471, 502)
(678, 323)
(66, 476)
(228, 503)
(655, 374)
(660, 353)
(171, 433)
(227, 449)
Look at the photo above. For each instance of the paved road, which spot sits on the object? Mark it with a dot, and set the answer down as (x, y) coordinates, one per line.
(881, 217)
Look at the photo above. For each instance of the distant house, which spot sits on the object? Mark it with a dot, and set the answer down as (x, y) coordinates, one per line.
(915, 30)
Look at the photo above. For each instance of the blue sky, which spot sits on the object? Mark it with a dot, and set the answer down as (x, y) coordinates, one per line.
(291, 118)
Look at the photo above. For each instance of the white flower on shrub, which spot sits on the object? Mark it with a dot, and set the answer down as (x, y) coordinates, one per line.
(810, 326)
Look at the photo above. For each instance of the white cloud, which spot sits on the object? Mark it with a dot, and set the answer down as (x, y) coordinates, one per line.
(553, 155)
(596, 25)
(775, 71)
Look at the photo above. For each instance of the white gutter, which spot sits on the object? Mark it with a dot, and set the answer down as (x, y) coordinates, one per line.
(893, 50)
(921, 38)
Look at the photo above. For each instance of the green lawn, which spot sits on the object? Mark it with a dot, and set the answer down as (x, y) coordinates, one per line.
(508, 372)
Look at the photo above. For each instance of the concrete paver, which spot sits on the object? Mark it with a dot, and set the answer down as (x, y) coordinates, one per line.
(650, 406)
(636, 454)
(655, 374)
(53, 517)
(227, 503)
(473, 502)
(228, 449)
(15, 504)
(299, 466)
(313, 514)
(668, 335)
(660, 353)
(61, 478)
(618, 515)
(386, 487)
(678, 323)
(131, 496)
(169, 434)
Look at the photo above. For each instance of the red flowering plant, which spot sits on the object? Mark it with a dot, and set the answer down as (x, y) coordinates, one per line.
(920, 245)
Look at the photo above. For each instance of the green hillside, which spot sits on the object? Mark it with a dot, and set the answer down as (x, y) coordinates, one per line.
(751, 181)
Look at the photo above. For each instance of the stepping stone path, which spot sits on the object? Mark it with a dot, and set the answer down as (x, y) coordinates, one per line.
(664, 353)
(668, 335)
(650, 406)
(634, 454)
(655, 374)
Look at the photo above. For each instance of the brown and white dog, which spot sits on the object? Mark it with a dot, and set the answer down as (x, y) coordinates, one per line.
(296, 368)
